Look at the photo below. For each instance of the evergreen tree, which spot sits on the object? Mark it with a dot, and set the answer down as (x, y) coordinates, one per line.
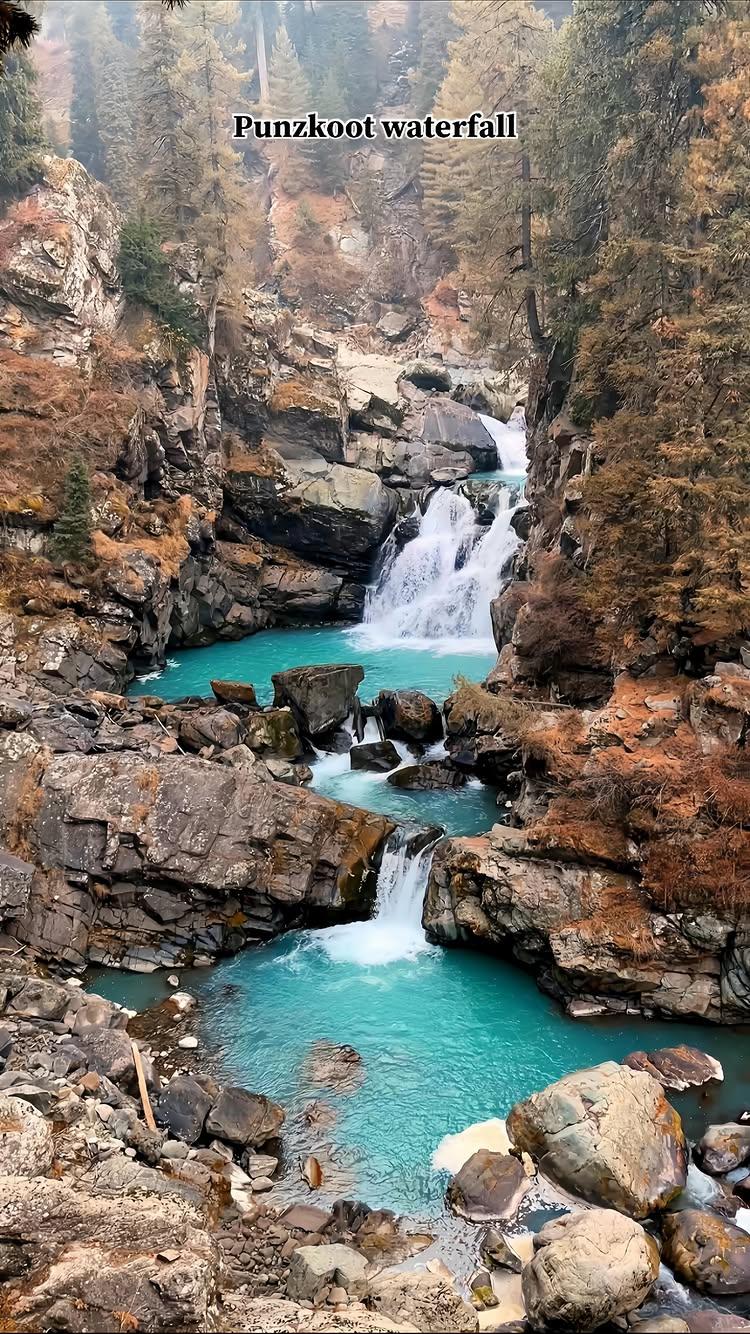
(291, 96)
(168, 162)
(85, 138)
(330, 156)
(21, 137)
(17, 27)
(225, 221)
(340, 40)
(437, 29)
(72, 533)
(146, 278)
(257, 26)
(114, 109)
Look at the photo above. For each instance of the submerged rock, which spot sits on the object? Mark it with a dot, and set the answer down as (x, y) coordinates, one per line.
(320, 697)
(709, 1252)
(333, 1066)
(409, 715)
(488, 1186)
(608, 1135)
(587, 1269)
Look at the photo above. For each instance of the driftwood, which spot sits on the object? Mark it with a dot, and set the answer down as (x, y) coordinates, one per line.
(147, 1112)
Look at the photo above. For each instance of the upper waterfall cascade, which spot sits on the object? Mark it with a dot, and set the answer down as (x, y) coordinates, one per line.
(437, 590)
(510, 440)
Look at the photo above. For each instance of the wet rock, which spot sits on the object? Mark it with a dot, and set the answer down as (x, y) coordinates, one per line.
(183, 1107)
(234, 692)
(381, 756)
(488, 1186)
(422, 1300)
(716, 1322)
(244, 1118)
(709, 1253)
(409, 715)
(497, 1252)
(312, 1268)
(321, 697)
(26, 1148)
(588, 1268)
(608, 1135)
(676, 1068)
(434, 776)
(723, 1147)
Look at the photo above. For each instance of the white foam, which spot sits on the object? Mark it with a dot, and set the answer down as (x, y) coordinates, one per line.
(455, 1150)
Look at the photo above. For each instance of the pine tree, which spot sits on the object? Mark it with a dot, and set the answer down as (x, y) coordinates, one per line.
(291, 96)
(340, 40)
(437, 29)
(85, 138)
(17, 27)
(168, 162)
(72, 533)
(225, 220)
(114, 110)
(330, 156)
(21, 137)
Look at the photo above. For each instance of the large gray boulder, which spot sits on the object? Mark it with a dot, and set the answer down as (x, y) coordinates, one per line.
(244, 1118)
(708, 1252)
(320, 697)
(312, 1268)
(423, 1301)
(329, 513)
(489, 1186)
(608, 1135)
(587, 1269)
(26, 1148)
(15, 884)
(458, 427)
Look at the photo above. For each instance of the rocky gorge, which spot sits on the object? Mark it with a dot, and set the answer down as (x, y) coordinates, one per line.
(257, 488)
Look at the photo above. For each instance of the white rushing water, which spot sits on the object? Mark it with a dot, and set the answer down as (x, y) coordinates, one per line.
(510, 440)
(395, 930)
(437, 591)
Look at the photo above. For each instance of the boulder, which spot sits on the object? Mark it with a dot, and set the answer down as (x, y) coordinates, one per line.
(433, 776)
(108, 1052)
(409, 715)
(489, 1186)
(331, 514)
(274, 732)
(708, 1252)
(26, 1148)
(234, 692)
(211, 727)
(320, 697)
(381, 756)
(497, 1252)
(677, 1068)
(244, 1118)
(274, 1315)
(608, 1135)
(183, 1107)
(723, 1147)
(587, 1269)
(421, 1300)
(457, 427)
(312, 1268)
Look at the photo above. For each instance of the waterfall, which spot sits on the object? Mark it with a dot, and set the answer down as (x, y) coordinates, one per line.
(510, 440)
(437, 591)
(395, 930)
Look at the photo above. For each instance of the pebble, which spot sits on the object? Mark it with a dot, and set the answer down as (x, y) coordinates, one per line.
(259, 1184)
(189, 1043)
(173, 980)
(130, 1153)
(104, 1111)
